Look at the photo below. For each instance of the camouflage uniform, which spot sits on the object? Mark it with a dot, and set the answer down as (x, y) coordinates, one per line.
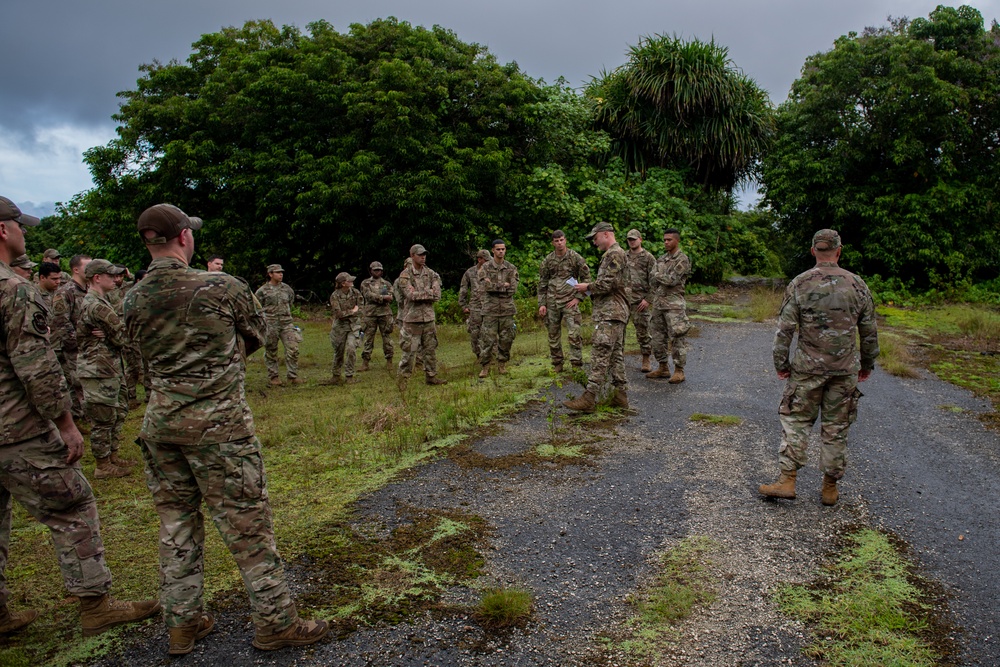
(497, 283)
(65, 316)
(101, 368)
(133, 361)
(470, 296)
(610, 315)
(193, 328)
(376, 316)
(418, 335)
(33, 468)
(641, 266)
(669, 321)
(828, 306)
(397, 293)
(555, 295)
(346, 330)
(277, 302)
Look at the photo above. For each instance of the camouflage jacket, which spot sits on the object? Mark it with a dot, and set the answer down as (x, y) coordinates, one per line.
(469, 293)
(397, 293)
(497, 283)
(276, 300)
(377, 293)
(65, 315)
(99, 357)
(608, 290)
(47, 298)
(669, 277)
(640, 268)
(341, 304)
(827, 304)
(553, 273)
(191, 327)
(421, 289)
(32, 385)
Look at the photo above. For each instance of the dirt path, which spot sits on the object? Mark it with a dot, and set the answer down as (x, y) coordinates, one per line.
(582, 537)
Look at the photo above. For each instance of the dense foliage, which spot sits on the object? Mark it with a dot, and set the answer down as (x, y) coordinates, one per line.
(892, 138)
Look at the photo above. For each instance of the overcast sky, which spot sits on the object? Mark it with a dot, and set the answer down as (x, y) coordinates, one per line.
(60, 75)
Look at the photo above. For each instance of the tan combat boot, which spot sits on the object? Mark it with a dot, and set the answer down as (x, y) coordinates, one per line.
(106, 469)
(388, 363)
(783, 488)
(830, 492)
(364, 366)
(101, 612)
(296, 380)
(502, 368)
(434, 379)
(120, 462)
(12, 621)
(485, 373)
(337, 380)
(620, 400)
(351, 380)
(678, 376)
(585, 403)
(662, 371)
(183, 637)
(276, 382)
(557, 368)
(645, 363)
(299, 633)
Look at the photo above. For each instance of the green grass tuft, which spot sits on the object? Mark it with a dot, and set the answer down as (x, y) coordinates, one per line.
(505, 607)
(724, 420)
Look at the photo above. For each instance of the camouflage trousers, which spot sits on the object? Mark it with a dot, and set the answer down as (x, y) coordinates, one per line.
(641, 323)
(68, 361)
(668, 330)
(105, 402)
(344, 339)
(607, 356)
(229, 477)
(418, 340)
(496, 336)
(556, 315)
(290, 338)
(835, 399)
(474, 325)
(34, 472)
(383, 324)
(403, 336)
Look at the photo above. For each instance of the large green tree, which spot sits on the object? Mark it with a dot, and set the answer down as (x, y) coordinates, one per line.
(892, 138)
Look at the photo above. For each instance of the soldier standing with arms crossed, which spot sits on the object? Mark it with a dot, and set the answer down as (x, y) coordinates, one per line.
(669, 320)
(277, 298)
(559, 303)
(376, 314)
(470, 298)
(498, 280)
(641, 264)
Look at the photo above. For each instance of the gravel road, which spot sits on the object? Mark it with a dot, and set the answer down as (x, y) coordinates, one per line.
(583, 537)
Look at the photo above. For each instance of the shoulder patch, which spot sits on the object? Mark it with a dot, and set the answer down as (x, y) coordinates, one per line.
(39, 323)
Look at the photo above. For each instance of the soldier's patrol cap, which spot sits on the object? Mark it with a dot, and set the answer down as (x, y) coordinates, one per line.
(485, 254)
(10, 211)
(275, 268)
(826, 239)
(51, 253)
(345, 277)
(167, 221)
(600, 227)
(22, 262)
(375, 266)
(417, 249)
(98, 266)
(633, 234)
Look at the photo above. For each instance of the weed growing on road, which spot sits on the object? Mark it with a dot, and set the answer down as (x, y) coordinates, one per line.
(894, 356)
(764, 303)
(723, 420)
(505, 607)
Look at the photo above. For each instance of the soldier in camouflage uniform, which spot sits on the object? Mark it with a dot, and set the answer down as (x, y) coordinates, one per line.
(400, 297)
(101, 368)
(193, 328)
(277, 298)
(52, 255)
(23, 266)
(669, 321)
(421, 288)
(40, 449)
(558, 302)
(829, 307)
(470, 298)
(641, 264)
(498, 280)
(376, 314)
(346, 303)
(610, 315)
(49, 277)
(65, 316)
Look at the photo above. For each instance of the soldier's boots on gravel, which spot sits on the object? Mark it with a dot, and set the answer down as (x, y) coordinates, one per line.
(830, 492)
(299, 633)
(662, 371)
(12, 621)
(101, 612)
(645, 363)
(783, 488)
(485, 373)
(183, 637)
(585, 403)
(678, 376)
(106, 469)
(620, 400)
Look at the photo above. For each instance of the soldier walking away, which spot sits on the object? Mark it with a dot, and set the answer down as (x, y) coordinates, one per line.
(669, 321)
(470, 298)
(65, 316)
(277, 298)
(40, 450)
(345, 302)
(829, 307)
(559, 303)
(193, 328)
(421, 288)
(610, 315)
(498, 280)
(376, 315)
(641, 264)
